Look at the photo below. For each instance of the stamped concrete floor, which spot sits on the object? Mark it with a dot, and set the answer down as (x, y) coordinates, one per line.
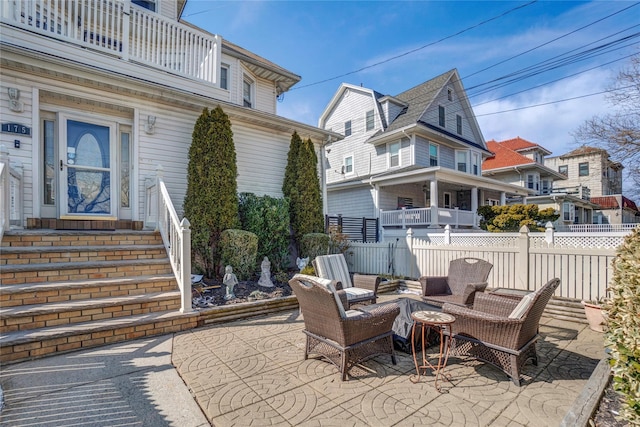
(252, 372)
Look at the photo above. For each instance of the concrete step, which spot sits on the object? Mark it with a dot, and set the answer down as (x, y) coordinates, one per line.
(28, 344)
(47, 272)
(24, 255)
(48, 292)
(25, 238)
(36, 316)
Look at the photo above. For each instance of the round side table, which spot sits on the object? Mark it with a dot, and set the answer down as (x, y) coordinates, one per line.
(440, 322)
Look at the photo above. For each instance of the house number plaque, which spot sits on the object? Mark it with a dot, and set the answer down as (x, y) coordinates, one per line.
(16, 128)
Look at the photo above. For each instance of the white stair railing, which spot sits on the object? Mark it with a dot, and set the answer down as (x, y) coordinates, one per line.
(176, 236)
(5, 191)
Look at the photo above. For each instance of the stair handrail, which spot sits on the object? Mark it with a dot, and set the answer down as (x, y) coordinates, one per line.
(5, 191)
(176, 236)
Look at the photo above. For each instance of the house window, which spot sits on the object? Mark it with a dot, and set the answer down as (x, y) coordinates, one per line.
(147, 4)
(475, 163)
(369, 120)
(247, 95)
(449, 94)
(533, 182)
(394, 154)
(347, 128)
(564, 170)
(433, 155)
(441, 121)
(583, 169)
(348, 165)
(447, 200)
(462, 159)
(224, 77)
(546, 186)
(568, 211)
(493, 202)
(459, 124)
(405, 202)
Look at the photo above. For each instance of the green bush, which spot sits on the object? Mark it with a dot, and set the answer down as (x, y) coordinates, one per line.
(314, 244)
(512, 217)
(623, 334)
(268, 218)
(239, 249)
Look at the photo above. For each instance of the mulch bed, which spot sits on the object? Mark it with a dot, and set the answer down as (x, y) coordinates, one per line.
(608, 409)
(211, 292)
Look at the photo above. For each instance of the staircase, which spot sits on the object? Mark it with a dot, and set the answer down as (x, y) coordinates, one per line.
(65, 290)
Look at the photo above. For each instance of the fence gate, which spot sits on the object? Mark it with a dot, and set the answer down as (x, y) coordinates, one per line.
(356, 229)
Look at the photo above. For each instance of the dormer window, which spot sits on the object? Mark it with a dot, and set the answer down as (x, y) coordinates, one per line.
(247, 92)
(441, 112)
(347, 128)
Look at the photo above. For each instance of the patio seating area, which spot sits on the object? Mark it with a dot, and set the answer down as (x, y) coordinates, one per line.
(253, 371)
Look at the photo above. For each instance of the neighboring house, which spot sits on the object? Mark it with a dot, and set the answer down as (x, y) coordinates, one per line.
(521, 162)
(592, 168)
(97, 94)
(421, 149)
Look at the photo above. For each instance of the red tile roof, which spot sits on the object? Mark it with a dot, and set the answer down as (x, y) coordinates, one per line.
(611, 202)
(503, 157)
(518, 144)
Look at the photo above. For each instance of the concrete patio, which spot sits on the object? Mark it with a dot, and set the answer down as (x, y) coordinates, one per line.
(251, 372)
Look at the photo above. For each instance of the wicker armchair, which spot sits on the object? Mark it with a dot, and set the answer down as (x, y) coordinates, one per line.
(344, 338)
(466, 277)
(363, 289)
(499, 330)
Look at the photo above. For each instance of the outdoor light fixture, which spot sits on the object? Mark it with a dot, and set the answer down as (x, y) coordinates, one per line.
(151, 121)
(14, 103)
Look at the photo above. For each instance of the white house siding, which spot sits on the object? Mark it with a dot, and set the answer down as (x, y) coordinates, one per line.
(391, 111)
(452, 108)
(389, 199)
(447, 157)
(265, 95)
(353, 202)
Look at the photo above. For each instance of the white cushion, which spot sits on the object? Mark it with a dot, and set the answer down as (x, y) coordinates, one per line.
(334, 267)
(356, 293)
(328, 284)
(522, 306)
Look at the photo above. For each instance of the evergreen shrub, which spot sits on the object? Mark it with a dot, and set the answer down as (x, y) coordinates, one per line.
(314, 244)
(510, 218)
(239, 249)
(623, 334)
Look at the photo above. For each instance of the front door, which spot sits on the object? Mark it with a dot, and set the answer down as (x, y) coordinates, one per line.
(87, 173)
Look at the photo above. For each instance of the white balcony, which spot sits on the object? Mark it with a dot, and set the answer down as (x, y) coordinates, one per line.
(122, 30)
(422, 217)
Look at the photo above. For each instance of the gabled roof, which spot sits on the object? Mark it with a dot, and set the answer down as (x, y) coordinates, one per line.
(520, 144)
(611, 202)
(585, 150)
(503, 157)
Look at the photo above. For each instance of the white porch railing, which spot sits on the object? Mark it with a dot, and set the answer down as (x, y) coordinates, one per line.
(599, 228)
(176, 234)
(422, 216)
(119, 28)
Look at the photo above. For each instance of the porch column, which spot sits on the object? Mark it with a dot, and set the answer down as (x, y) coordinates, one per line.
(434, 204)
(503, 198)
(474, 205)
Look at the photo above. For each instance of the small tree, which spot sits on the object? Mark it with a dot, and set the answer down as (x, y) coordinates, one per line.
(211, 202)
(513, 217)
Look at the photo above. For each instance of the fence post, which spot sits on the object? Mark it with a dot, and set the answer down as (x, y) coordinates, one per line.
(377, 229)
(447, 234)
(364, 229)
(410, 249)
(548, 233)
(185, 264)
(457, 214)
(522, 260)
(404, 217)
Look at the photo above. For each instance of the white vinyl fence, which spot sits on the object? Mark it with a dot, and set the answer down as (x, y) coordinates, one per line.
(521, 260)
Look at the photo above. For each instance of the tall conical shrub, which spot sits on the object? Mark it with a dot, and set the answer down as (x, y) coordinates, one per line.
(211, 201)
(623, 326)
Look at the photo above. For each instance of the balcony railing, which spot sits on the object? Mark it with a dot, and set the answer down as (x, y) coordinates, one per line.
(119, 28)
(422, 217)
(579, 191)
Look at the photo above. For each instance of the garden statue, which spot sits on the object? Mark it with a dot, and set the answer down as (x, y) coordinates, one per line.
(265, 274)
(229, 280)
(302, 263)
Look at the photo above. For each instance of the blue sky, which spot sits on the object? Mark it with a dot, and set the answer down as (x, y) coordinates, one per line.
(484, 40)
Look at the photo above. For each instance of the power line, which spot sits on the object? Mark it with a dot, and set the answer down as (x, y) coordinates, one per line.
(418, 48)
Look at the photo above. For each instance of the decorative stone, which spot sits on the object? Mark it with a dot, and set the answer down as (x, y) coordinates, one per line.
(229, 280)
(302, 263)
(265, 274)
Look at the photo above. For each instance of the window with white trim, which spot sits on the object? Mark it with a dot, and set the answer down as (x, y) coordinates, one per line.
(583, 169)
(369, 120)
(462, 160)
(459, 124)
(568, 211)
(441, 118)
(546, 186)
(348, 165)
(493, 202)
(147, 4)
(447, 200)
(347, 128)
(564, 170)
(533, 181)
(224, 77)
(450, 94)
(475, 163)
(247, 92)
(394, 154)
(433, 155)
